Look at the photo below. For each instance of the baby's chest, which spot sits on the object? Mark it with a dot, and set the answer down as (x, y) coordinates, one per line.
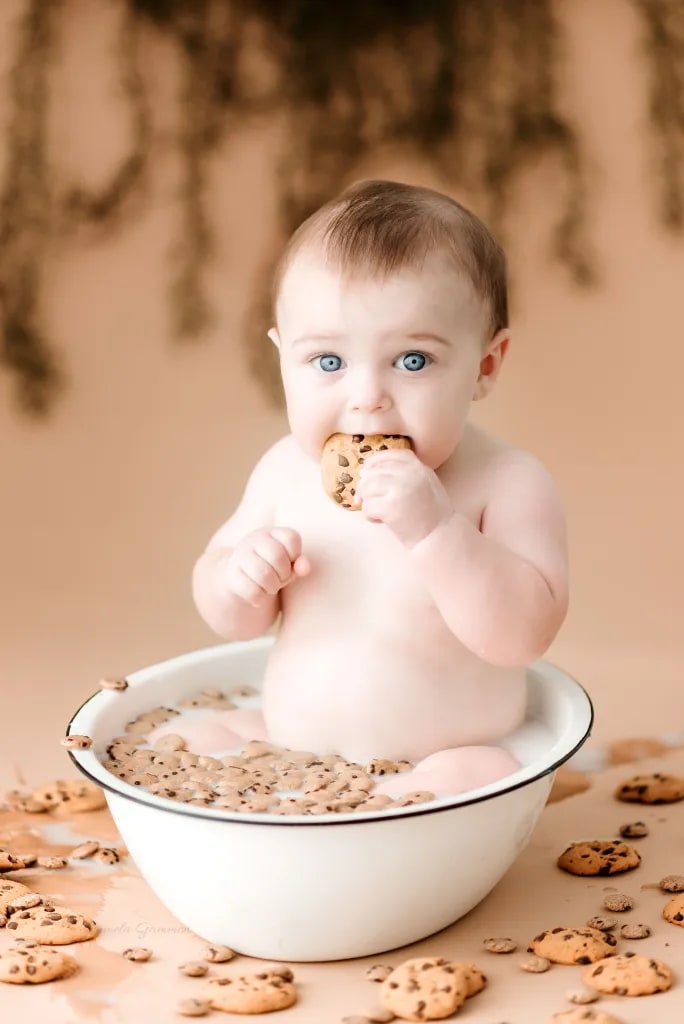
(358, 567)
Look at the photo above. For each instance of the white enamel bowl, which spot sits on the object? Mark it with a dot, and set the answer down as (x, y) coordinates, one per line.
(334, 886)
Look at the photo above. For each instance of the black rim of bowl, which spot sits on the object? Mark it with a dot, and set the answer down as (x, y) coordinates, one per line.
(265, 820)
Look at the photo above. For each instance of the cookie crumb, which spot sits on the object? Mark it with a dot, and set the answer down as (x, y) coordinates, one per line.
(114, 683)
(635, 931)
(74, 742)
(672, 883)
(581, 996)
(618, 902)
(139, 954)
(378, 972)
(280, 971)
(379, 1015)
(85, 850)
(604, 924)
(217, 954)
(500, 945)
(106, 855)
(194, 968)
(194, 1007)
(52, 863)
(534, 964)
(634, 830)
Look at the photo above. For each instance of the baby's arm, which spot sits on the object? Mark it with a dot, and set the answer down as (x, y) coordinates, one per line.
(237, 581)
(502, 590)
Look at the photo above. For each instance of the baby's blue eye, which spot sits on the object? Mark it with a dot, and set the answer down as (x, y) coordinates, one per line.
(328, 363)
(412, 361)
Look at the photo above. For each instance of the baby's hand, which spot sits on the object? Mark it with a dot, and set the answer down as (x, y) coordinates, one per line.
(263, 563)
(397, 489)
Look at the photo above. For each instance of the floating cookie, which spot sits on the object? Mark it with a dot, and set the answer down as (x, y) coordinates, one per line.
(628, 976)
(584, 1017)
(52, 926)
(382, 766)
(657, 788)
(425, 988)
(673, 911)
(599, 857)
(343, 454)
(573, 945)
(250, 993)
(34, 965)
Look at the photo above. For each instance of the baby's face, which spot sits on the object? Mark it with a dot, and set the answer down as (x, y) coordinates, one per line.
(393, 355)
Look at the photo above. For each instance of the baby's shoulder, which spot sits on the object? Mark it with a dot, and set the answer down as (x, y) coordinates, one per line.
(485, 451)
(500, 467)
(276, 462)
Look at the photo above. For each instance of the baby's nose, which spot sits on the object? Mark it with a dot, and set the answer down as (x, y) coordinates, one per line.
(368, 393)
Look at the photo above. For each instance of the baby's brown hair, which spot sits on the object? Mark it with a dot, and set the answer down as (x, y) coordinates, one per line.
(385, 226)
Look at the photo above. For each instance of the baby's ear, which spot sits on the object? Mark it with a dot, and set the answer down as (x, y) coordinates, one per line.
(275, 337)
(490, 364)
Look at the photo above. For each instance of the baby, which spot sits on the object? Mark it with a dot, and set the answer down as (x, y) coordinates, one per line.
(405, 627)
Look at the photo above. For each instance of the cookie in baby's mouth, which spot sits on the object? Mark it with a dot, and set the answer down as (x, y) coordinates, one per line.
(342, 456)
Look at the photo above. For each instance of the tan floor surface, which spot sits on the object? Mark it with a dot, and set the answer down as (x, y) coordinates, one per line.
(533, 896)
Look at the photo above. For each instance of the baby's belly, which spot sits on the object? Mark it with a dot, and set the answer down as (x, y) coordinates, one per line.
(349, 692)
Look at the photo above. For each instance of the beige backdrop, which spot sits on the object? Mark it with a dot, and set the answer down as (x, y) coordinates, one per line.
(105, 507)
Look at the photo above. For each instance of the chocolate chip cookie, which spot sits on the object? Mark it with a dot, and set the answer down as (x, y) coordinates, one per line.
(342, 456)
(673, 911)
(425, 988)
(657, 788)
(34, 964)
(52, 926)
(573, 945)
(628, 976)
(599, 857)
(250, 993)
